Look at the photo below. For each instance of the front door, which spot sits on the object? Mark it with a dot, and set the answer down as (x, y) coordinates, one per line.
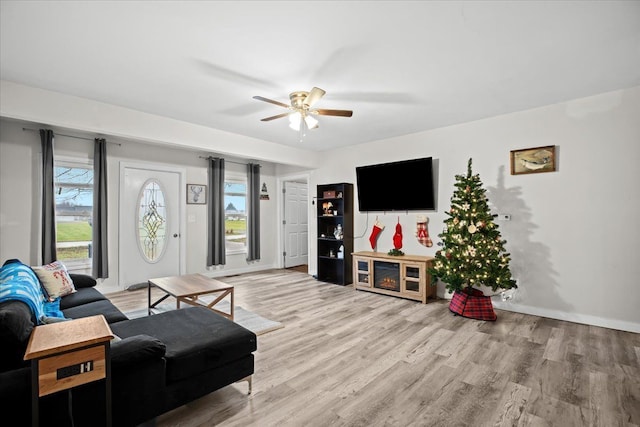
(149, 237)
(296, 226)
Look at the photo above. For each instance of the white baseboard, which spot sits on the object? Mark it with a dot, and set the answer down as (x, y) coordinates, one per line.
(621, 325)
(241, 270)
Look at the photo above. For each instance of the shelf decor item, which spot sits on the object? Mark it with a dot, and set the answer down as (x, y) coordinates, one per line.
(327, 208)
(338, 233)
(473, 252)
(395, 252)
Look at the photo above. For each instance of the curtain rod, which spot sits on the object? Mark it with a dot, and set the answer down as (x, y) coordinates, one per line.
(230, 161)
(70, 136)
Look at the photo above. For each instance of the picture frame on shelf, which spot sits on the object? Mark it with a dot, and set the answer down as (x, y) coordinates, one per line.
(533, 160)
(196, 194)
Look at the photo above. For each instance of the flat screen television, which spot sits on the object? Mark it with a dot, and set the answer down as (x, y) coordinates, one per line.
(397, 186)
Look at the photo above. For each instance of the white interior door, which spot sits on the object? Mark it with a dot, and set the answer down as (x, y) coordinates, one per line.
(149, 236)
(296, 226)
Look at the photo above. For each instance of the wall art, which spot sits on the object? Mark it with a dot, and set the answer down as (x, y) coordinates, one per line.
(533, 160)
(196, 194)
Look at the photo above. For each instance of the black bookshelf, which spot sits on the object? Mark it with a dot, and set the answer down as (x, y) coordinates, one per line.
(335, 210)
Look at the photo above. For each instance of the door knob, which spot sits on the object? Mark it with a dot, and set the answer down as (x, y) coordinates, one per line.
(175, 234)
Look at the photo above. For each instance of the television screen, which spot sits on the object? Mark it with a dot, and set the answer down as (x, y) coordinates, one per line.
(398, 186)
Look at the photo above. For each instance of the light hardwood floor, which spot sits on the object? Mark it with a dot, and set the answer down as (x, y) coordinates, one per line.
(353, 358)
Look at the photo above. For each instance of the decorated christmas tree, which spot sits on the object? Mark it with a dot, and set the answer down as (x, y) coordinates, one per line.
(473, 252)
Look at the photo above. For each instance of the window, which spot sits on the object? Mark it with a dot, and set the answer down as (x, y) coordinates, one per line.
(235, 215)
(73, 186)
(152, 221)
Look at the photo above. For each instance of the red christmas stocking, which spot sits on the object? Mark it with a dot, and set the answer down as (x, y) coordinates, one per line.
(422, 232)
(397, 238)
(377, 228)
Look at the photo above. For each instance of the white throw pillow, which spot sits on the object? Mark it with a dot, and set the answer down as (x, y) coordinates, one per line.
(55, 279)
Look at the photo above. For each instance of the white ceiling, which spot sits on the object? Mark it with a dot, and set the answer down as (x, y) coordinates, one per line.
(401, 66)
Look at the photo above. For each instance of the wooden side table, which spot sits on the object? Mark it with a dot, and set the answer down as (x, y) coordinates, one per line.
(68, 354)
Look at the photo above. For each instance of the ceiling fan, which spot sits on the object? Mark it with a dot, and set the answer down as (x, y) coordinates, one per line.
(300, 112)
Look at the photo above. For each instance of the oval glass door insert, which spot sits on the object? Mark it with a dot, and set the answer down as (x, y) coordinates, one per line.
(152, 221)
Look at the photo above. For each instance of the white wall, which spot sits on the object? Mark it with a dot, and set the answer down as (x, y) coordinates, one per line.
(574, 233)
(19, 199)
(19, 194)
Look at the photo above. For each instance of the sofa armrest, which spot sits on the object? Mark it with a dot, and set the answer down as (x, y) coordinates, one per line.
(16, 324)
(82, 280)
(136, 349)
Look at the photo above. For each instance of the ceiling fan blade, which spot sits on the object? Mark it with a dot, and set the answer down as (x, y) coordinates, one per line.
(313, 97)
(341, 113)
(271, 101)
(267, 119)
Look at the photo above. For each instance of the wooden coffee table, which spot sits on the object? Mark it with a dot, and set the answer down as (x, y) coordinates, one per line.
(188, 288)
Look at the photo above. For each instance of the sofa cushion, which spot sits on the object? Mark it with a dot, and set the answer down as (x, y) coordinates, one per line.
(82, 280)
(16, 324)
(104, 307)
(80, 297)
(136, 349)
(55, 279)
(196, 338)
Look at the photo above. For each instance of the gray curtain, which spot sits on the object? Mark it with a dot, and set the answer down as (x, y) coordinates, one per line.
(99, 226)
(253, 207)
(215, 243)
(48, 199)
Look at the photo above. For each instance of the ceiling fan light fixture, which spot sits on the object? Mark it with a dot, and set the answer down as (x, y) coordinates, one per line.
(300, 111)
(310, 122)
(294, 121)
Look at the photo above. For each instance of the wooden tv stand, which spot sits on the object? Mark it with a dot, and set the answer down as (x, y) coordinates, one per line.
(404, 276)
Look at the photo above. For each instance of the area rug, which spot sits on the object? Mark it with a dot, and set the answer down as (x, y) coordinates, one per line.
(254, 322)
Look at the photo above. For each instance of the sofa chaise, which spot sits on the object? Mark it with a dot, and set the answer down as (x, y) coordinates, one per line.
(158, 362)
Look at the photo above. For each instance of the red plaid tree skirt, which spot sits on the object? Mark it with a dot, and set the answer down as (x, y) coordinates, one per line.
(474, 306)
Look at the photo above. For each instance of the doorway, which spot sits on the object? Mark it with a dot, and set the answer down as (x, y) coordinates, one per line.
(296, 224)
(150, 218)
